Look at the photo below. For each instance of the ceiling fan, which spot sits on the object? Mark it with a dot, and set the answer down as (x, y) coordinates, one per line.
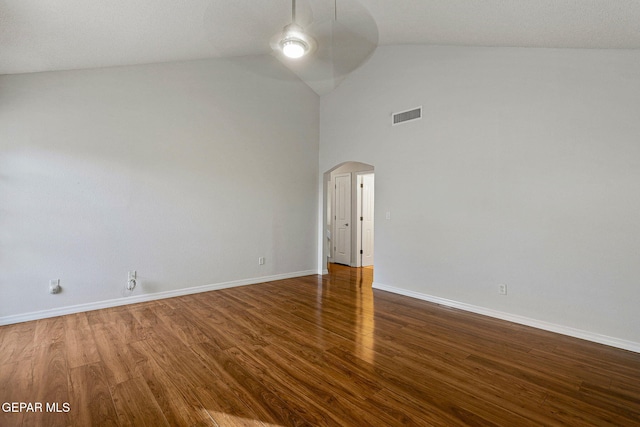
(293, 42)
(321, 41)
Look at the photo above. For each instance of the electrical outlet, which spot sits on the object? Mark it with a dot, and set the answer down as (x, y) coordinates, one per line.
(261, 260)
(502, 289)
(131, 280)
(54, 286)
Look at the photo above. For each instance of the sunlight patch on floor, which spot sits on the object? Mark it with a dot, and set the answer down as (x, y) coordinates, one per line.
(228, 420)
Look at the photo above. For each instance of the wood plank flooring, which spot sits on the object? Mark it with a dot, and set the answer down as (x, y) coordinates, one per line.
(312, 351)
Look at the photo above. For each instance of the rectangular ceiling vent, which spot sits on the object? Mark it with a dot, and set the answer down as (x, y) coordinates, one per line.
(407, 116)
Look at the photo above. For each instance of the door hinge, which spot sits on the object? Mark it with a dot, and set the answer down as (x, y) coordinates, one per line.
(361, 219)
(361, 252)
(361, 185)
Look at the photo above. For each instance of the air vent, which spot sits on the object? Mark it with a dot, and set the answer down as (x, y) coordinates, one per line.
(406, 116)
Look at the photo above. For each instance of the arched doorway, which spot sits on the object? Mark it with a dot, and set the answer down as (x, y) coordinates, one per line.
(348, 220)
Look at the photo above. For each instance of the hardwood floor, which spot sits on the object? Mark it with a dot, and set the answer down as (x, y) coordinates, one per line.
(317, 350)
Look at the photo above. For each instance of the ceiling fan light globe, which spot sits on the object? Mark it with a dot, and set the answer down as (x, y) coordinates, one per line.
(294, 48)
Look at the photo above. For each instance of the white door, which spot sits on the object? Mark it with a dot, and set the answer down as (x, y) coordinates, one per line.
(367, 220)
(342, 219)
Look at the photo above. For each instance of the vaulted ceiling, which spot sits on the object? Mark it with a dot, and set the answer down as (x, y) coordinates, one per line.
(37, 35)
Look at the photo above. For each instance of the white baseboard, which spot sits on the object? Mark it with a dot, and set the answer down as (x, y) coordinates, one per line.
(61, 311)
(564, 330)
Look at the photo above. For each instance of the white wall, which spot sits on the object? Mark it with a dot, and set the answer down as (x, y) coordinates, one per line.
(525, 170)
(185, 172)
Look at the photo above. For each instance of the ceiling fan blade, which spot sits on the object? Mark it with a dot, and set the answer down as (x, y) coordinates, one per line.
(346, 47)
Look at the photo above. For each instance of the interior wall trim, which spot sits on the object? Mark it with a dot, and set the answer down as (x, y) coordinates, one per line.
(61, 311)
(522, 320)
